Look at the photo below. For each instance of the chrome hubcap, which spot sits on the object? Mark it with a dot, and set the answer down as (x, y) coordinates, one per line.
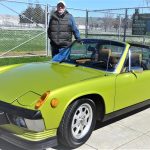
(82, 120)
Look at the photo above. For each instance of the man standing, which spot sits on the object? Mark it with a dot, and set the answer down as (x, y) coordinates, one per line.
(61, 27)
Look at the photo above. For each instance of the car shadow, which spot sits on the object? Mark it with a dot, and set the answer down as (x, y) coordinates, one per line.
(7, 146)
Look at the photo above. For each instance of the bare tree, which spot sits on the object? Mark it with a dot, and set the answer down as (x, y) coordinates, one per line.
(116, 23)
(107, 21)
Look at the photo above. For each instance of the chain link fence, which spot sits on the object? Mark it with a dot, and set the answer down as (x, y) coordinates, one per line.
(23, 31)
(106, 24)
(124, 24)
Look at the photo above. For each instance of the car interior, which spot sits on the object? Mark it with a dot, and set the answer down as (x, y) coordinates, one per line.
(139, 58)
(100, 57)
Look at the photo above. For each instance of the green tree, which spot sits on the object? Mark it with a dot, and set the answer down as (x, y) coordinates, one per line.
(33, 15)
(39, 14)
(27, 15)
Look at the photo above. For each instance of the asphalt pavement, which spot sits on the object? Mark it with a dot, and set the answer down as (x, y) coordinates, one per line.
(131, 131)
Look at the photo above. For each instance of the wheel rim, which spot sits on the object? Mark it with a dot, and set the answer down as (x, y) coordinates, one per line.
(82, 121)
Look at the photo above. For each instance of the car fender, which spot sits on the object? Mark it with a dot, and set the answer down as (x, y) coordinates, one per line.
(68, 94)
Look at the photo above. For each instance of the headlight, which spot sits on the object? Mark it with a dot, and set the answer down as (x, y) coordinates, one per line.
(19, 121)
(33, 125)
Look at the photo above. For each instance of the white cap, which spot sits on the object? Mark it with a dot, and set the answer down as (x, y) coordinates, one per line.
(61, 1)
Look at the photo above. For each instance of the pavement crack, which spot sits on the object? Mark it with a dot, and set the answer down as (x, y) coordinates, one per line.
(91, 146)
(130, 128)
(130, 141)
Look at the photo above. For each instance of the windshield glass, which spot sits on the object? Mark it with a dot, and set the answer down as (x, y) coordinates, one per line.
(93, 53)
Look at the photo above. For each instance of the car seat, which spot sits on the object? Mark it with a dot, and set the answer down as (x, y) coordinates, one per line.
(104, 56)
(136, 59)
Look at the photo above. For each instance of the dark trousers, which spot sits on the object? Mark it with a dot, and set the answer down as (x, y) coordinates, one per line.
(54, 50)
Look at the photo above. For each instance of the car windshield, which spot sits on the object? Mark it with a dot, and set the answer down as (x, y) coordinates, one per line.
(93, 53)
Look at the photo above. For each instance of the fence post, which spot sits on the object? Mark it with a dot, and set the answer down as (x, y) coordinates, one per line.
(119, 30)
(46, 27)
(144, 39)
(125, 24)
(86, 24)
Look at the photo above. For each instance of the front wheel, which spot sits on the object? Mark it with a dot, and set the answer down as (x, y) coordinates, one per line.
(77, 123)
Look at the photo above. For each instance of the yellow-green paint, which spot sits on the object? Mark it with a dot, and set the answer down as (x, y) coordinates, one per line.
(22, 85)
(29, 135)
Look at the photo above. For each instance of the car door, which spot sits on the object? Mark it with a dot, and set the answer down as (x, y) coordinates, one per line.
(133, 87)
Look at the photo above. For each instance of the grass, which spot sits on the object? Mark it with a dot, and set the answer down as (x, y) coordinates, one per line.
(12, 38)
(9, 61)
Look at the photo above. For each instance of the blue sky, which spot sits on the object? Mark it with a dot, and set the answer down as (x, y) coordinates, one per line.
(79, 4)
(99, 4)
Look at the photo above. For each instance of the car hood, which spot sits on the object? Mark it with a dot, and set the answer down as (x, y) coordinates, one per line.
(37, 78)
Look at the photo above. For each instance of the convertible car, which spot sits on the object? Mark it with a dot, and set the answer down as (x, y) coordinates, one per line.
(43, 104)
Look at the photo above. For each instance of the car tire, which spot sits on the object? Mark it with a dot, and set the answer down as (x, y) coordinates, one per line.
(77, 123)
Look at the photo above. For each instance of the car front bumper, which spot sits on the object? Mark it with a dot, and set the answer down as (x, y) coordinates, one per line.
(29, 136)
(26, 144)
(24, 118)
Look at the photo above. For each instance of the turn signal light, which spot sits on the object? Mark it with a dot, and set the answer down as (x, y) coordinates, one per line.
(42, 99)
(54, 103)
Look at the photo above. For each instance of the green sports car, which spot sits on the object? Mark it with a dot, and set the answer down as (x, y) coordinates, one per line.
(43, 104)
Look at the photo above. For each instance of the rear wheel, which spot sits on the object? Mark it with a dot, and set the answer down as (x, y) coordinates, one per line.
(77, 123)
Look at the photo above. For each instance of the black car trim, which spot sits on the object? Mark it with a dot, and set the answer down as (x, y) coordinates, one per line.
(19, 111)
(3, 118)
(139, 45)
(26, 144)
(127, 110)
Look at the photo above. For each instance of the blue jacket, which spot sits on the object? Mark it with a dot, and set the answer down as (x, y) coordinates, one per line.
(74, 28)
